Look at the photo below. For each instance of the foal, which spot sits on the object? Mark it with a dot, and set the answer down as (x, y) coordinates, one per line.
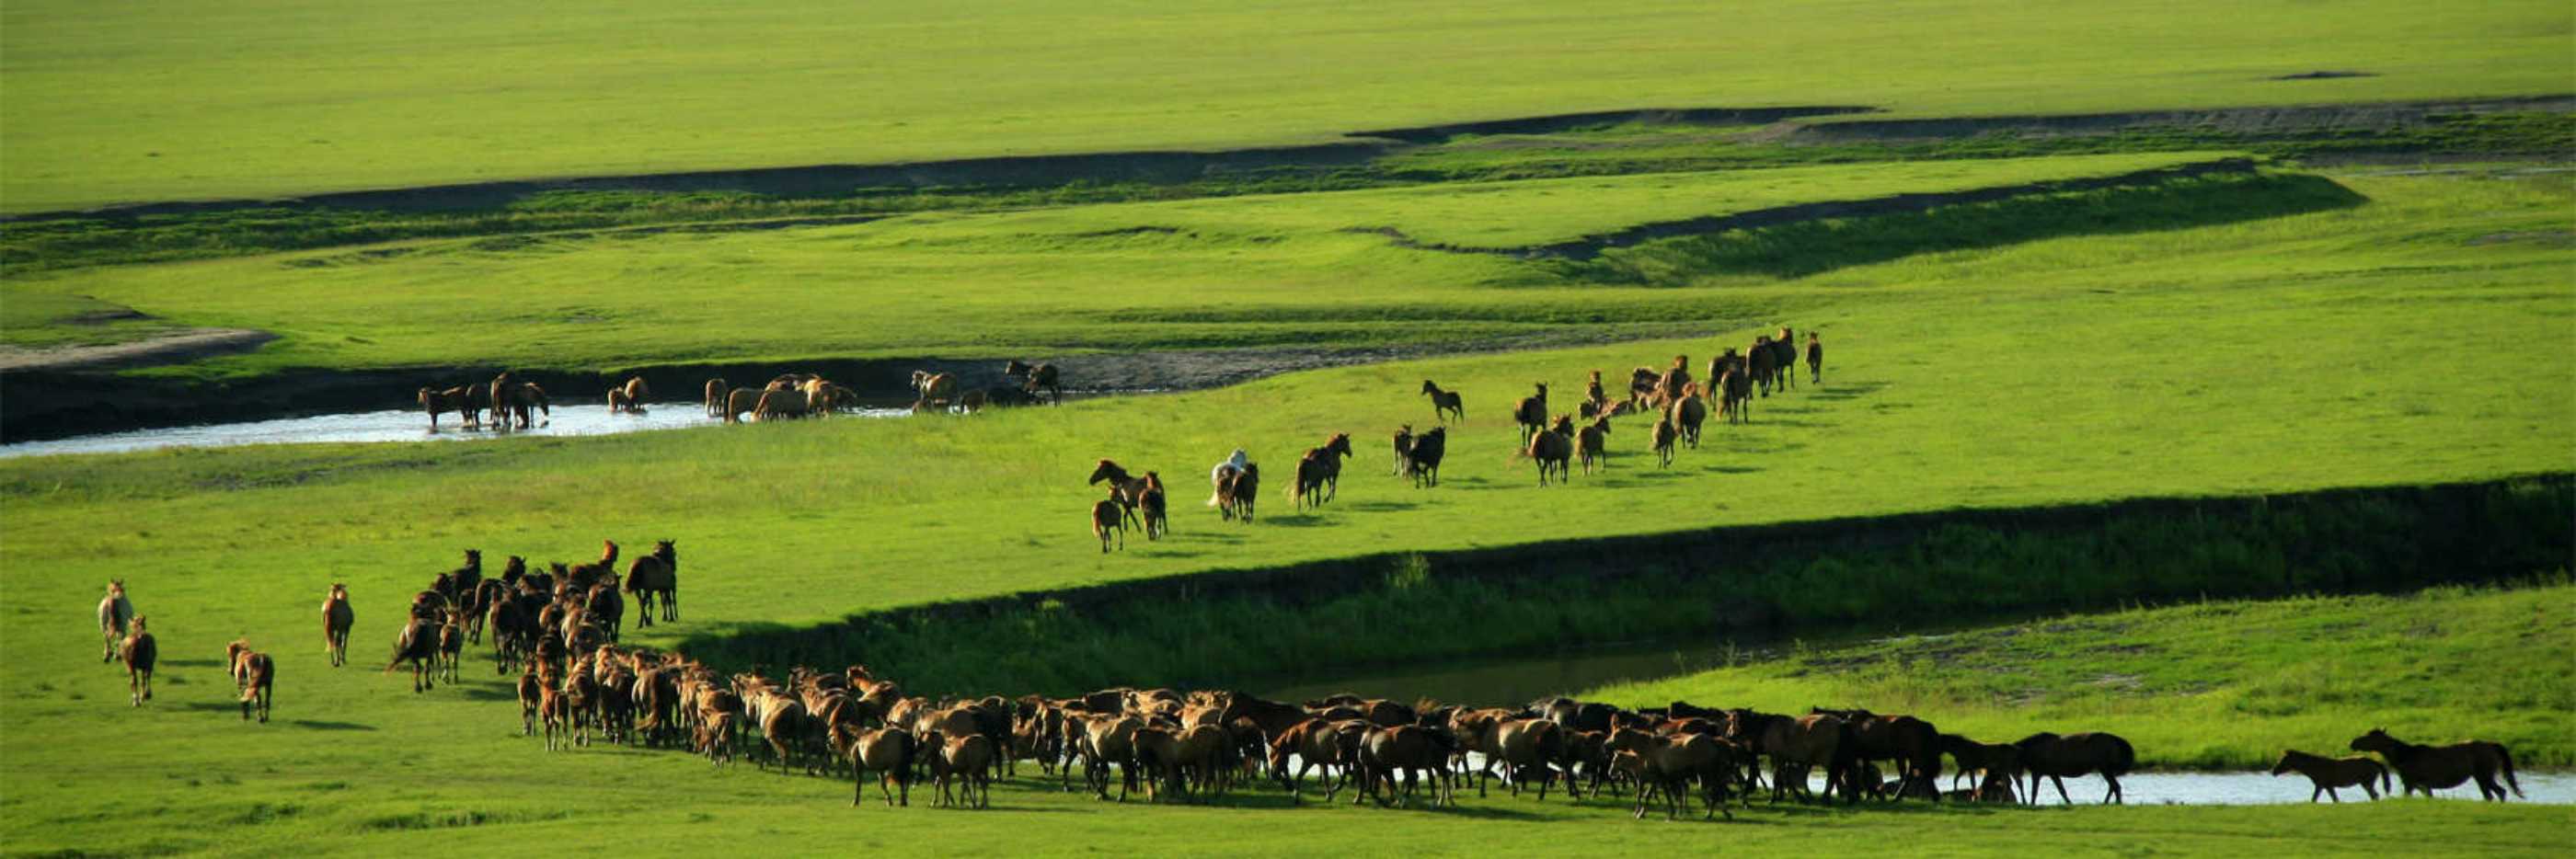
(2330, 773)
(139, 651)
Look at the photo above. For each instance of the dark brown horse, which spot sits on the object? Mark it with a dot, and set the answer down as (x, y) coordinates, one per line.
(1423, 461)
(1553, 451)
(2431, 768)
(1237, 489)
(1784, 358)
(655, 577)
(2327, 774)
(1038, 377)
(1913, 744)
(1815, 358)
(1156, 507)
(1664, 436)
(337, 620)
(1986, 759)
(1531, 413)
(1106, 516)
(417, 644)
(1444, 403)
(258, 677)
(2047, 754)
(1591, 444)
(1319, 472)
(1126, 489)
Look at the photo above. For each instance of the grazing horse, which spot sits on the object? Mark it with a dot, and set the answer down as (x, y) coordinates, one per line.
(783, 405)
(715, 397)
(1531, 413)
(417, 644)
(1126, 489)
(1553, 450)
(1157, 512)
(2430, 768)
(2047, 754)
(139, 652)
(337, 619)
(2330, 773)
(1424, 459)
(512, 399)
(1321, 469)
(1590, 444)
(467, 402)
(935, 389)
(1665, 434)
(652, 577)
(1106, 517)
(618, 402)
(1815, 359)
(1444, 403)
(114, 614)
(257, 676)
(1036, 377)
(1411, 750)
(1217, 475)
(635, 392)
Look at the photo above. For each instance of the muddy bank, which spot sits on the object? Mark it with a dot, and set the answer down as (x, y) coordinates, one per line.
(1591, 246)
(2367, 117)
(1229, 628)
(61, 403)
(170, 347)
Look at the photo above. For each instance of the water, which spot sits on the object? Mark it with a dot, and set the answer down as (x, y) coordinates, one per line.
(386, 426)
(1513, 682)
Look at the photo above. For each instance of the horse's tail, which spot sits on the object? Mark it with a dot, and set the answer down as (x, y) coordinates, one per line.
(2504, 760)
(2128, 756)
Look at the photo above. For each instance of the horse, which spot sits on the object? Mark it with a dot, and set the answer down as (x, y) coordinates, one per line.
(889, 751)
(1665, 434)
(635, 392)
(1815, 359)
(1687, 412)
(451, 645)
(139, 652)
(515, 399)
(1217, 475)
(1106, 517)
(1553, 451)
(619, 402)
(1424, 459)
(1412, 750)
(1812, 740)
(2430, 768)
(1735, 397)
(1674, 381)
(935, 389)
(115, 612)
(1531, 413)
(1984, 758)
(715, 396)
(1126, 489)
(1157, 519)
(1762, 363)
(1590, 443)
(1784, 358)
(1594, 395)
(1036, 377)
(2326, 773)
(655, 576)
(1237, 492)
(417, 644)
(467, 402)
(1403, 445)
(256, 674)
(2047, 754)
(1444, 403)
(1914, 744)
(776, 405)
(337, 619)
(1321, 469)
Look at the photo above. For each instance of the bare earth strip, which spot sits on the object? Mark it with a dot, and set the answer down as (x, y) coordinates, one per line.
(181, 345)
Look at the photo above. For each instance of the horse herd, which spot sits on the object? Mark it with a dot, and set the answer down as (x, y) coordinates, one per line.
(790, 395)
(1681, 406)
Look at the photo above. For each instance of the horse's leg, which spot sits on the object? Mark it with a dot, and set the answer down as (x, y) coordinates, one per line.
(2117, 795)
(2060, 781)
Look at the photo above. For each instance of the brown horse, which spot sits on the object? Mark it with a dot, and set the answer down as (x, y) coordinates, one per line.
(1815, 359)
(715, 397)
(1320, 471)
(1670, 385)
(2431, 768)
(1761, 362)
(934, 389)
(2047, 754)
(1410, 750)
(1913, 744)
(1126, 489)
(115, 613)
(1037, 377)
(1156, 509)
(619, 402)
(967, 760)
(655, 577)
(1531, 413)
(1985, 759)
(2327, 774)
(1423, 460)
(139, 652)
(1664, 436)
(1735, 397)
(888, 751)
(1444, 403)
(337, 620)
(1590, 443)
(1784, 358)
(257, 676)
(1237, 490)
(1553, 451)
(1105, 518)
(417, 644)
(467, 402)
(1594, 396)
(1688, 412)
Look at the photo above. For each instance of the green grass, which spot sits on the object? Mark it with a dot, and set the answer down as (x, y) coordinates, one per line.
(1240, 271)
(281, 97)
(2211, 685)
(40, 319)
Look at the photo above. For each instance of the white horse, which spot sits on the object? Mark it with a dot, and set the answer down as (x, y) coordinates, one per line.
(114, 612)
(1216, 476)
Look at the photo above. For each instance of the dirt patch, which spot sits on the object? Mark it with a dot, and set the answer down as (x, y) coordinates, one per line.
(1591, 246)
(166, 348)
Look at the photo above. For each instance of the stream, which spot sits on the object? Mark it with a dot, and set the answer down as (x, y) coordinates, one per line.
(394, 425)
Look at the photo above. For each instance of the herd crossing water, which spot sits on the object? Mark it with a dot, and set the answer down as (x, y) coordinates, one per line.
(393, 425)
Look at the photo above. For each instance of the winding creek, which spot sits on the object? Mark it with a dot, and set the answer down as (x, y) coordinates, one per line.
(1529, 679)
(395, 425)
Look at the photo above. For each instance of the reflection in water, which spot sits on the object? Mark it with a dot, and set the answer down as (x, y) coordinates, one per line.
(395, 425)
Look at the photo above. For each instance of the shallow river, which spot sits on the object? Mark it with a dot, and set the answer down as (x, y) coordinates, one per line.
(1503, 682)
(393, 425)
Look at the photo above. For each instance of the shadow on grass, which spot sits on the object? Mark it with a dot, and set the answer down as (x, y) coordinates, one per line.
(1848, 392)
(1293, 520)
(319, 725)
(1382, 506)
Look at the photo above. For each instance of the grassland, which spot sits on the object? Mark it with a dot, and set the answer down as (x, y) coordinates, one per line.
(2219, 684)
(1129, 276)
(280, 97)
